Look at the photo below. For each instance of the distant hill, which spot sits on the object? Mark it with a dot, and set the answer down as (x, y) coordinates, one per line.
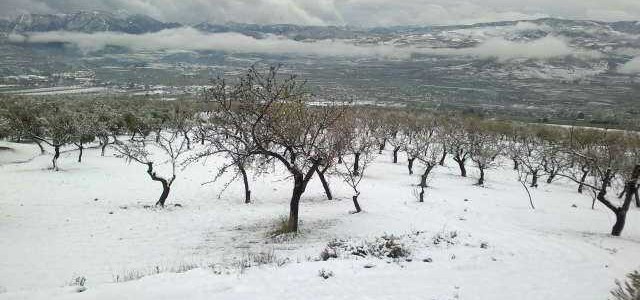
(84, 21)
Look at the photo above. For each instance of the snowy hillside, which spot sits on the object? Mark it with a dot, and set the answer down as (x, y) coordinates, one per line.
(91, 220)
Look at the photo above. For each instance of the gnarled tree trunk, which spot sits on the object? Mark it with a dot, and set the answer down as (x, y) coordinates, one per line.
(423, 180)
(356, 203)
(80, 150)
(245, 180)
(395, 154)
(534, 179)
(56, 155)
(300, 182)
(382, 145)
(443, 157)
(325, 183)
(461, 164)
(585, 172)
(410, 165)
(166, 184)
(481, 179)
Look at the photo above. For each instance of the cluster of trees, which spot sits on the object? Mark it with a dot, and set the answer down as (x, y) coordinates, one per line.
(264, 119)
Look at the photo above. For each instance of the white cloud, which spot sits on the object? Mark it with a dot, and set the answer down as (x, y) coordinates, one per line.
(341, 12)
(191, 39)
(544, 48)
(631, 67)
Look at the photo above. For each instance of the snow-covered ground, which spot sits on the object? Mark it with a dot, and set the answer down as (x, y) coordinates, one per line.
(467, 242)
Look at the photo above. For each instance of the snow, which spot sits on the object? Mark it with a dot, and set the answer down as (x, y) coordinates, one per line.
(60, 90)
(90, 220)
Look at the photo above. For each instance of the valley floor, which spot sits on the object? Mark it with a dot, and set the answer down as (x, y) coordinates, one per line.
(91, 220)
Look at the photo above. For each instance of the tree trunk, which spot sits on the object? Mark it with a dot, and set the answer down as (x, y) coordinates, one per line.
(382, 145)
(425, 175)
(104, 146)
(245, 179)
(582, 180)
(631, 188)
(444, 156)
(534, 179)
(621, 217)
(356, 164)
(356, 204)
(410, 166)
(395, 154)
(186, 137)
(461, 165)
(423, 181)
(294, 205)
(202, 139)
(80, 148)
(552, 176)
(325, 183)
(300, 182)
(56, 155)
(481, 179)
(165, 194)
(166, 184)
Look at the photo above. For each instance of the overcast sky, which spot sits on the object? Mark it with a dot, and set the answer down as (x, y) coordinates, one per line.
(342, 12)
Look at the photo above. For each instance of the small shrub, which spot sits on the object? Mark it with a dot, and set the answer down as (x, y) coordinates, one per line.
(386, 246)
(328, 253)
(79, 283)
(131, 275)
(257, 259)
(281, 227)
(630, 289)
(446, 238)
(325, 274)
(393, 248)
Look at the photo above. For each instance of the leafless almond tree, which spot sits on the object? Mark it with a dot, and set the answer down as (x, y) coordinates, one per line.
(169, 144)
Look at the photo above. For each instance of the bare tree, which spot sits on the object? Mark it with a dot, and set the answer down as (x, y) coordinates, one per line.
(612, 166)
(362, 136)
(458, 143)
(141, 150)
(231, 139)
(24, 119)
(485, 147)
(57, 130)
(422, 145)
(529, 151)
(281, 125)
(394, 125)
(84, 130)
(357, 160)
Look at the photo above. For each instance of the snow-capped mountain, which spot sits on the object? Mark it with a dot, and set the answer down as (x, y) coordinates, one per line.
(86, 21)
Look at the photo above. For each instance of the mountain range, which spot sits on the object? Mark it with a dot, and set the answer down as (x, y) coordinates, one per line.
(535, 67)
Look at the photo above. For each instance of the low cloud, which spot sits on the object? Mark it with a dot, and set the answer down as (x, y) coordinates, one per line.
(631, 67)
(545, 48)
(341, 12)
(191, 39)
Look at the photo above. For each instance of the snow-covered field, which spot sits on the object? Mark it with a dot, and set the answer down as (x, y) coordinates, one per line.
(467, 242)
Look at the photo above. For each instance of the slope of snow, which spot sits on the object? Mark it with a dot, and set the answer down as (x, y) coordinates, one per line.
(90, 220)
